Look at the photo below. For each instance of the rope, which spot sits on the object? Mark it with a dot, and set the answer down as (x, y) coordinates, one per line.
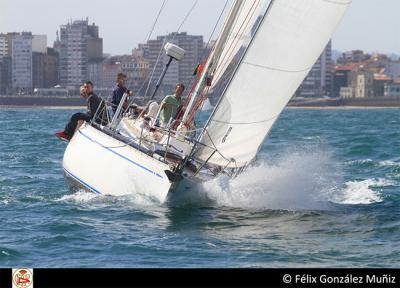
(216, 25)
(159, 55)
(154, 68)
(224, 62)
(165, 40)
(195, 81)
(186, 17)
(155, 21)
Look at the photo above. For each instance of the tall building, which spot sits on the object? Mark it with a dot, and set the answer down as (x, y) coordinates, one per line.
(95, 73)
(51, 78)
(318, 82)
(3, 45)
(45, 69)
(6, 43)
(22, 62)
(3, 53)
(111, 68)
(39, 43)
(5, 78)
(181, 71)
(5, 61)
(38, 69)
(44, 63)
(137, 70)
(2, 86)
(79, 45)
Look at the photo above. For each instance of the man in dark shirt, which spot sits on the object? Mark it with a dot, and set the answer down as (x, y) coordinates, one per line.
(94, 104)
(119, 92)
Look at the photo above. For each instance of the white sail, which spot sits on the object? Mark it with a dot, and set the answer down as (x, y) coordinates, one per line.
(240, 34)
(289, 40)
(236, 34)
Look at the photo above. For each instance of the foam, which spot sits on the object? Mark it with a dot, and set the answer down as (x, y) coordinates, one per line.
(81, 196)
(385, 163)
(360, 192)
(297, 181)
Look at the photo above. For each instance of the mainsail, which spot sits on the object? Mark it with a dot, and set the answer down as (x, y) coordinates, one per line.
(286, 41)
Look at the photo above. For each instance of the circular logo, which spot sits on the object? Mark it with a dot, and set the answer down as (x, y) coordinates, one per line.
(23, 278)
(287, 279)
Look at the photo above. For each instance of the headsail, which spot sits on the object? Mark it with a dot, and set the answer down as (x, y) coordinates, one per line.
(284, 47)
(235, 34)
(240, 35)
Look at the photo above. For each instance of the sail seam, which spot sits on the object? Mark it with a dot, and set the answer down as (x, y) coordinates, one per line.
(337, 3)
(246, 123)
(276, 69)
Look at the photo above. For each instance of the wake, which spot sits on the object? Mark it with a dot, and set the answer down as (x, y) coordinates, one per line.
(297, 181)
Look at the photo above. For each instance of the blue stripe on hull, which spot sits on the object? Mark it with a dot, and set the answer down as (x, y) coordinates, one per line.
(123, 157)
(82, 182)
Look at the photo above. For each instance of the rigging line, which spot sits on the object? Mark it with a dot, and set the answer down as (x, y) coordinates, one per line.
(178, 30)
(165, 39)
(215, 147)
(184, 19)
(225, 60)
(215, 27)
(270, 5)
(223, 63)
(193, 110)
(145, 41)
(155, 21)
(155, 66)
(190, 94)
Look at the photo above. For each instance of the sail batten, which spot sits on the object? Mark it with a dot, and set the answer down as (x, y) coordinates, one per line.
(288, 39)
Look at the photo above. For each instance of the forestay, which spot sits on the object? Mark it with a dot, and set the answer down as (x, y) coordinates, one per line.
(239, 36)
(289, 40)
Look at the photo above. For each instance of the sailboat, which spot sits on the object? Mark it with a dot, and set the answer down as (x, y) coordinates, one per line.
(263, 53)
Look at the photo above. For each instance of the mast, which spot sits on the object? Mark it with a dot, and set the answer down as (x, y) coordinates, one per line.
(216, 53)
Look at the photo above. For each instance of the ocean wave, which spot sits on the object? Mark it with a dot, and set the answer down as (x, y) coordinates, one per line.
(361, 192)
(360, 162)
(370, 162)
(389, 163)
(80, 196)
(136, 200)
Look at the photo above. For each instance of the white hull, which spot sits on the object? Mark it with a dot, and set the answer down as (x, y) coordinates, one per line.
(107, 166)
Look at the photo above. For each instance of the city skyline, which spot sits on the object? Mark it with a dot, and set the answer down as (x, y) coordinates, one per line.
(121, 34)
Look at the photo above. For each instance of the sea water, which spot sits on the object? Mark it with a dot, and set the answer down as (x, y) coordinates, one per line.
(324, 192)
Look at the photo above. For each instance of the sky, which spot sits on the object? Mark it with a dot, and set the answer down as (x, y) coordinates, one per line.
(369, 25)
